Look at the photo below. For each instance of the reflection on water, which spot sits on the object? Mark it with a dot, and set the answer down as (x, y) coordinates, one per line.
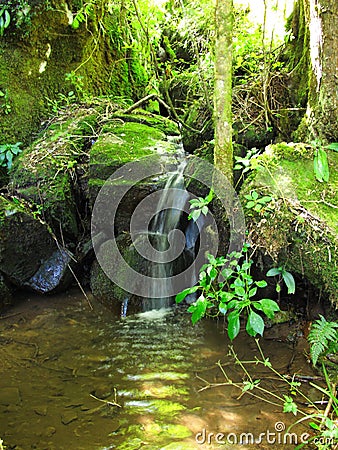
(72, 378)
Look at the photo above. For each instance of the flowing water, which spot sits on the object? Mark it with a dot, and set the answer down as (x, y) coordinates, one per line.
(76, 378)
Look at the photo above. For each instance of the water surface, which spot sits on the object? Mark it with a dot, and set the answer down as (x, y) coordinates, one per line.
(76, 378)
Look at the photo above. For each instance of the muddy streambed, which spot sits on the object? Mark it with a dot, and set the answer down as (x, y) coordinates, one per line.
(76, 378)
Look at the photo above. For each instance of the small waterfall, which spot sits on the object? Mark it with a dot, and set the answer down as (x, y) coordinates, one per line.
(170, 207)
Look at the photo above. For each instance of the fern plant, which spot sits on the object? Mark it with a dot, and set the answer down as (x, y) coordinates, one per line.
(323, 337)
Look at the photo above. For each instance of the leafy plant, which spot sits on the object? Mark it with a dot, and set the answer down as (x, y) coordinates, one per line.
(226, 287)
(323, 335)
(5, 19)
(200, 205)
(283, 275)
(244, 164)
(7, 153)
(5, 104)
(320, 162)
(257, 203)
(82, 14)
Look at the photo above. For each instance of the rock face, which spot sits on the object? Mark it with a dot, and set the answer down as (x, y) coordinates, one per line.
(45, 217)
(298, 228)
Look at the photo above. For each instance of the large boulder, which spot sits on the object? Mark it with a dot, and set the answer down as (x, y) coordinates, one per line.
(298, 228)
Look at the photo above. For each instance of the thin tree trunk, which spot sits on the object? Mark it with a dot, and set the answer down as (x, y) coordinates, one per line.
(223, 154)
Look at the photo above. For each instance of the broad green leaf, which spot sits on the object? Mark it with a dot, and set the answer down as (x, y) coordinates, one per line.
(289, 405)
(261, 284)
(222, 307)
(333, 146)
(194, 215)
(181, 295)
(226, 296)
(233, 325)
(252, 292)
(7, 19)
(321, 166)
(254, 195)
(256, 323)
(258, 207)
(199, 310)
(250, 330)
(240, 291)
(210, 196)
(289, 281)
(227, 272)
(265, 199)
(274, 271)
(205, 210)
(269, 307)
(250, 204)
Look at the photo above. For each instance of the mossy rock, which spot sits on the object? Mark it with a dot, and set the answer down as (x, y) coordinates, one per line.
(24, 243)
(103, 288)
(298, 228)
(44, 173)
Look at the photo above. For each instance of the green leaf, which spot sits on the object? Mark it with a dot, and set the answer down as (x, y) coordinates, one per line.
(222, 307)
(289, 281)
(269, 307)
(333, 146)
(233, 325)
(254, 195)
(250, 205)
(321, 166)
(194, 215)
(256, 323)
(198, 310)
(261, 284)
(252, 292)
(274, 271)
(240, 291)
(289, 405)
(181, 295)
(265, 199)
(7, 19)
(205, 210)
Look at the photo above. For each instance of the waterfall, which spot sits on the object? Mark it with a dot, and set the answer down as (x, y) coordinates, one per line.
(170, 208)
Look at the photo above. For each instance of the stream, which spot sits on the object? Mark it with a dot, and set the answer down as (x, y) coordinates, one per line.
(78, 378)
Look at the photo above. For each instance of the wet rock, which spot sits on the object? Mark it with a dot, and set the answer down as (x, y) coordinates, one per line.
(6, 297)
(10, 396)
(50, 431)
(41, 410)
(53, 273)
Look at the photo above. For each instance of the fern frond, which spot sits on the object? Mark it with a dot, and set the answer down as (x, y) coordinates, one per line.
(322, 333)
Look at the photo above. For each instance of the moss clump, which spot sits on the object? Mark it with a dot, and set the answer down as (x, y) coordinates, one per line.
(44, 174)
(300, 230)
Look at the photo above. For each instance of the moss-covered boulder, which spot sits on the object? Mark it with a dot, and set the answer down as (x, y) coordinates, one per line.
(45, 176)
(127, 139)
(298, 228)
(124, 140)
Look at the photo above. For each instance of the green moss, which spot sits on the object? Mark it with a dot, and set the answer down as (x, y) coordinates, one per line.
(301, 230)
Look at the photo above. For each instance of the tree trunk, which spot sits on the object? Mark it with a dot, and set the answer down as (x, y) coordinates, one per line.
(320, 121)
(223, 154)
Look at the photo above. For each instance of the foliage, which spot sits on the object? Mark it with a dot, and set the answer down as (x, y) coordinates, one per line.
(83, 13)
(7, 153)
(226, 287)
(5, 19)
(200, 205)
(323, 423)
(257, 203)
(323, 338)
(286, 276)
(14, 12)
(244, 163)
(5, 104)
(320, 162)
